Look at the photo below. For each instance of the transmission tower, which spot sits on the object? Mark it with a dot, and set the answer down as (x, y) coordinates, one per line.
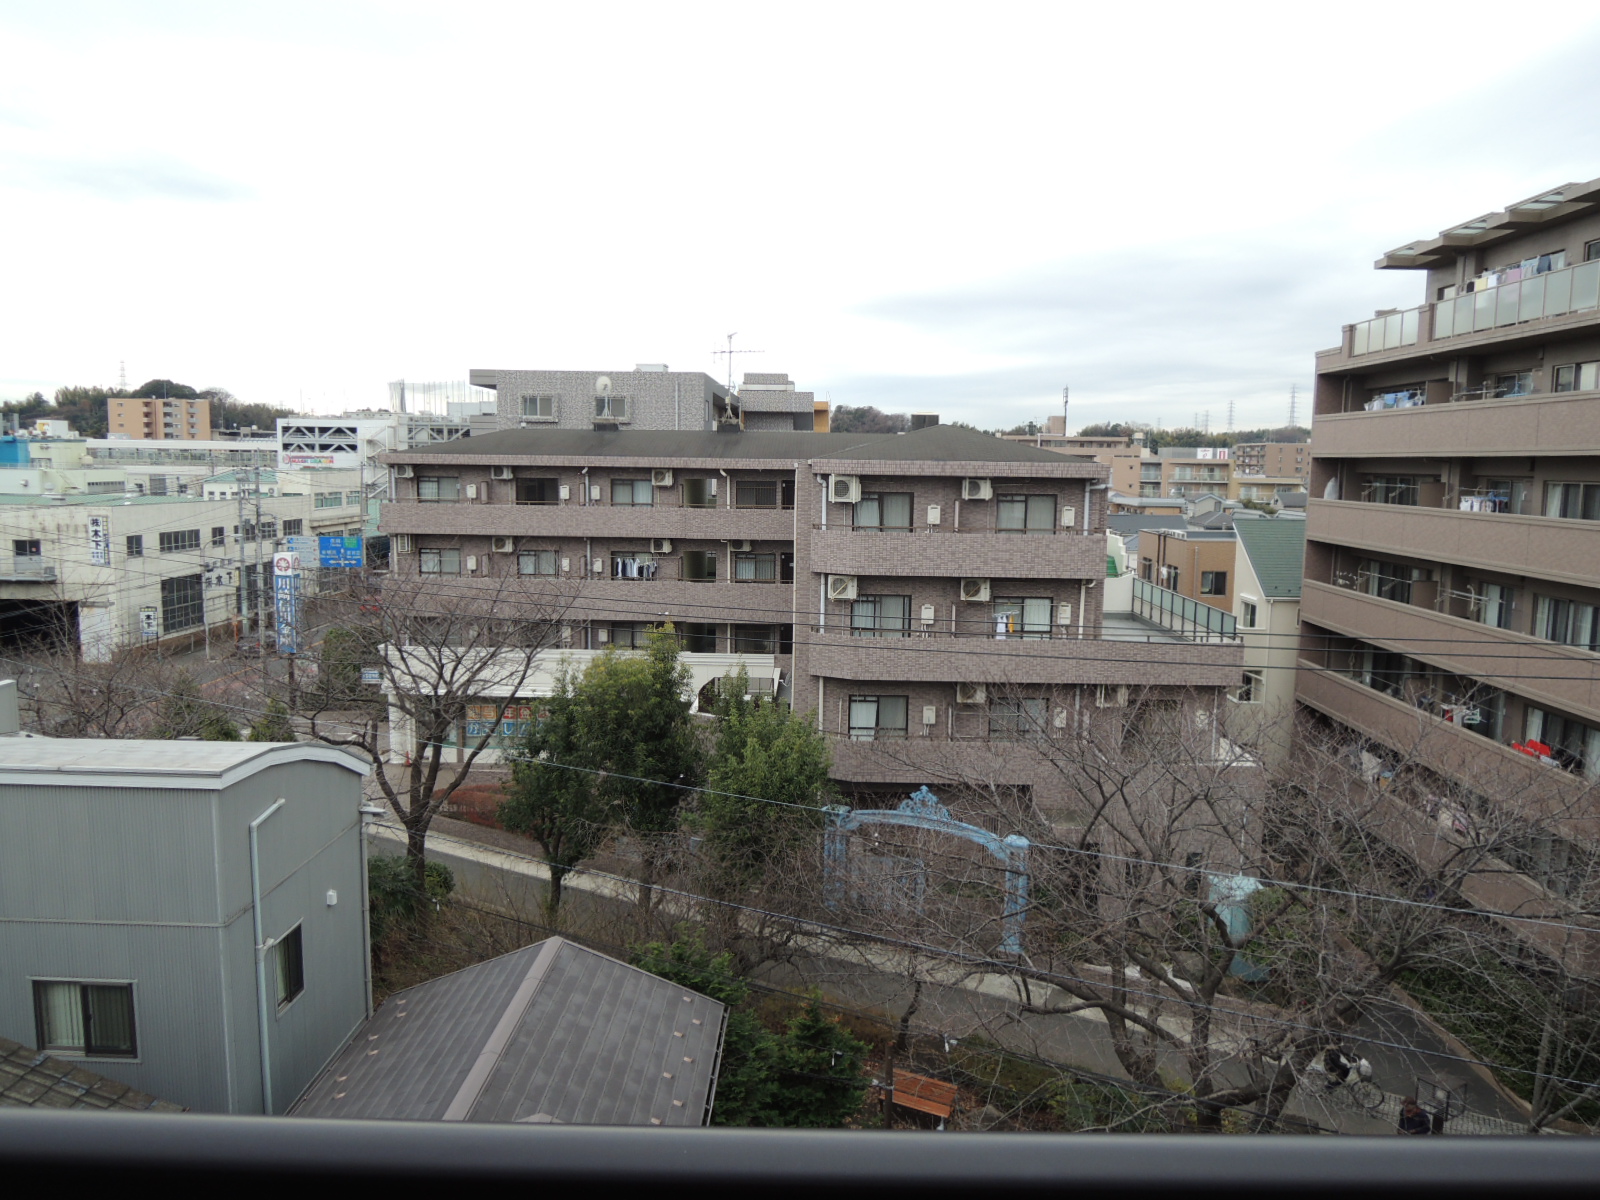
(1230, 416)
(122, 376)
(1293, 404)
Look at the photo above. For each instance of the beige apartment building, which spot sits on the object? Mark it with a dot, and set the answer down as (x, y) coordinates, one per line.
(1197, 563)
(1451, 605)
(159, 418)
(928, 597)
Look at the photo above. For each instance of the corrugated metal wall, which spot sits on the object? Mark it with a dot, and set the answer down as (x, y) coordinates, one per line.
(153, 886)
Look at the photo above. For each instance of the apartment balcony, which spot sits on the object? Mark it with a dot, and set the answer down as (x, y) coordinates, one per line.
(929, 657)
(1515, 312)
(680, 601)
(937, 552)
(1543, 424)
(1549, 674)
(617, 522)
(26, 568)
(1544, 547)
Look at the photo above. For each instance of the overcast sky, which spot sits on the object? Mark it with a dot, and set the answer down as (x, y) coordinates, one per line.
(918, 206)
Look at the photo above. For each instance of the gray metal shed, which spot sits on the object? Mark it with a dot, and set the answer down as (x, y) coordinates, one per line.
(129, 878)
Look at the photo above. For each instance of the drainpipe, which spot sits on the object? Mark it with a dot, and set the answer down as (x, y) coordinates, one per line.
(369, 814)
(263, 944)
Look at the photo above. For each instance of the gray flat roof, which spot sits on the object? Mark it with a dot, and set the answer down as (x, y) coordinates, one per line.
(552, 1033)
(937, 443)
(144, 762)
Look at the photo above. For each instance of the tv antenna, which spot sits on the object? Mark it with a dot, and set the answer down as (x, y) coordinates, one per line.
(730, 352)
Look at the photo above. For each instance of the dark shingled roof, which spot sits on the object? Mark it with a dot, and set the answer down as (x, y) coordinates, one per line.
(1277, 553)
(937, 443)
(32, 1079)
(554, 1032)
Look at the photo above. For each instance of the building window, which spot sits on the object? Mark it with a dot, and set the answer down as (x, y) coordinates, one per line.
(639, 493)
(1591, 250)
(1568, 621)
(135, 545)
(755, 568)
(1025, 514)
(1247, 615)
(293, 528)
(1514, 383)
(1578, 377)
(877, 718)
(881, 616)
(759, 639)
(439, 562)
(539, 408)
(1572, 744)
(269, 529)
(1250, 691)
(1022, 618)
(630, 635)
(92, 1019)
(611, 408)
(27, 548)
(699, 493)
(884, 510)
(536, 562)
(353, 497)
(1389, 581)
(1576, 501)
(1016, 717)
(700, 639)
(179, 540)
(219, 534)
(431, 488)
(336, 499)
(183, 602)
(755, 493)
(700, 566)
(1213, 583)
(1491, 604)
(1391, 489)
(288, 967)
(633, 564)
(538, 491)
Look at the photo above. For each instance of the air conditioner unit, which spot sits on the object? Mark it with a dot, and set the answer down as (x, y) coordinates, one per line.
(977, 489)
(502, 545)
(1063, 614)
(472, 563)
(660, 546)
(403, 471)
(1069, 516)
(661, 476)
(844, 489)
(975, 589)
(472, 491)
(971, 693)
(400, 543)
(499, 472)
(841, 587)
(740, 547)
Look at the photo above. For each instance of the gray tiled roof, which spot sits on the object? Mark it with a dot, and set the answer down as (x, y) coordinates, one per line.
(1131, 523)
(1277, 552)
(552, 1032)
(31, 1079)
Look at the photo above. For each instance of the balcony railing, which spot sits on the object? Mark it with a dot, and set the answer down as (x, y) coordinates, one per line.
(29, 567)
(1194, 620)
(1388, 332)
(1552, 294)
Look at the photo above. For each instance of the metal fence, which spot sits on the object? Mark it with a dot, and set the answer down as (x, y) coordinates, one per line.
(1181, 614)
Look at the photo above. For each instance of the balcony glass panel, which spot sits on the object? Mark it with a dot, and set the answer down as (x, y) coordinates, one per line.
(1483, 310)
(1558, 294)
(1410, 324)
(1586, 286)
(1506, 298)
(1532, 303)
(1358, 337)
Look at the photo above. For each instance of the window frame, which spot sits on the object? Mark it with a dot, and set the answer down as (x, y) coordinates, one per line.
(878, 498)
(1024, 630)
(175, 607)
(1014, 718)
(704, 558)
(868, 618)
(1249, 608)
(543, 484)
(540, 399)
(741, 486)
(1251, 690)
(1031, 507)
(293, 527)
(636, 487)
(434, 483)
(555, 563)
(440, 552)
(756, 560)
(288, 990)
(133, 546)
(1211, 589)
(610, 406)
(877, 731)
(89, 1049)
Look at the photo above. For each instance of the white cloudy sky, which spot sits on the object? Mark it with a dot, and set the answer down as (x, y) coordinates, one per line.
(931, 205)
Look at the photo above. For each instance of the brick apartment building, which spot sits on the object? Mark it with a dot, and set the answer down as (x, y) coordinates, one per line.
(936, 588)
(1451, 604)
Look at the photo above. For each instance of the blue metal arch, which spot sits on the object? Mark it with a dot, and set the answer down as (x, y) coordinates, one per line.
(923, 811)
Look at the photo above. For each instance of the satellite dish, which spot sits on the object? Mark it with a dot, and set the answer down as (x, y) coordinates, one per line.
(603, 384)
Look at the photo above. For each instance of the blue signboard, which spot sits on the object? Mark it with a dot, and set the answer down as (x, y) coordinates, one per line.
(286, 598)
(340, 552)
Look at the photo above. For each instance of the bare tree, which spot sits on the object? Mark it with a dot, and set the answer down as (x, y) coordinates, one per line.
(425, 680)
